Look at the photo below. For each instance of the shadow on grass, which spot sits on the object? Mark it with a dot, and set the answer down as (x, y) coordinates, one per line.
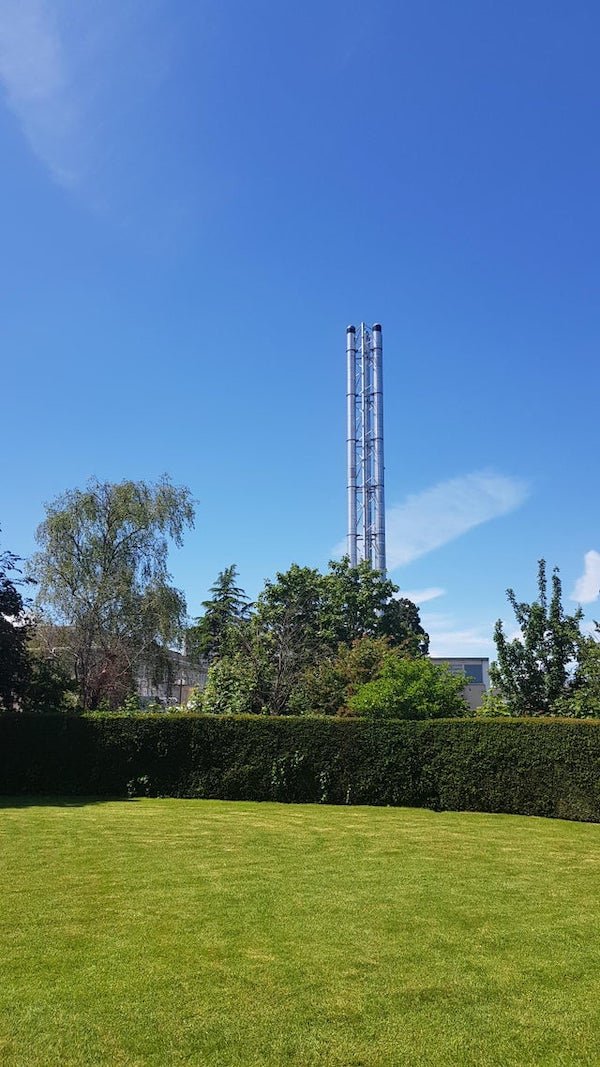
(61, 802)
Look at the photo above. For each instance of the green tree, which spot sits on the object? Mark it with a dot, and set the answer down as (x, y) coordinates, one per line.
(411, 689)
(227, 606)
(103, 578)
(15, 631)
(289, 618)
(583, 700)
(326, 687)
(400, 623)
(537, 669)
(361, 602)
(302, 621)
(232, 687)
(51, 687)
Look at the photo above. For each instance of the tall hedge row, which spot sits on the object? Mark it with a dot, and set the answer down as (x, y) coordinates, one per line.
(527, 766)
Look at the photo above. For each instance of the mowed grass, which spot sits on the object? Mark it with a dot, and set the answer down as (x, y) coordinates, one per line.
(198, 932)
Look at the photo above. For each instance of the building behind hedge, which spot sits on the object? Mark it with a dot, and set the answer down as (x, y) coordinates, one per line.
(477, 670)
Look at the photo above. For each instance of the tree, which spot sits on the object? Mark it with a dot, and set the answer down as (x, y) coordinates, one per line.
(302, 621)
(583, 700)
(326, 687)
(232, 687)
(362, 602)
(227, 607)
(411, 689)
(15, 631)
(289, 617)
(102, 574)
(537, 669)
(400, 623)
(51, 685)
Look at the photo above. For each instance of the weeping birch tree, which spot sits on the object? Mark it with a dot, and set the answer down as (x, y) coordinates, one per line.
(103, 581)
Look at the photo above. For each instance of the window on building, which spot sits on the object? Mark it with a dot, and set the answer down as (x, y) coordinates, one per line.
(474, 673)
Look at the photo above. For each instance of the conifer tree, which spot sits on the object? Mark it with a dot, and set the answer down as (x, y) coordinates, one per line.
(227, 606)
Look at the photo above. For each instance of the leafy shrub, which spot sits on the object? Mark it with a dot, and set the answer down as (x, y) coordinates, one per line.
(411, 689)
(493, 706)
(230, 687)
(131, 703)
(583, 701)
(195, 700)
(326, 688)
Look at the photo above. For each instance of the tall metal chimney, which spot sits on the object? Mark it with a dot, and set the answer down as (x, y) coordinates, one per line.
(364, 395)
(351, 441)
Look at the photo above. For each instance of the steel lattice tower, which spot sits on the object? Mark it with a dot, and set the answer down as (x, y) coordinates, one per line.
(366, 504)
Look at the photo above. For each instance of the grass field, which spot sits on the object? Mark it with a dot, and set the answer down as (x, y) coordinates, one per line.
(167, 932)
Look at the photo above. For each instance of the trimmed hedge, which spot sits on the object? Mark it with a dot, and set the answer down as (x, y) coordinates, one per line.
(524, 766)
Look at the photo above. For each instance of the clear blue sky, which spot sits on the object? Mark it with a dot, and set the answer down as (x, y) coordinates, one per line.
(197, 197)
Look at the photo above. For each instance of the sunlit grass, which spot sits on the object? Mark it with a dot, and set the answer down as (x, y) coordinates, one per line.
(195, 932)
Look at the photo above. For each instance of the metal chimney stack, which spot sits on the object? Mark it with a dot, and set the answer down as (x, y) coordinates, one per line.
(366, 501)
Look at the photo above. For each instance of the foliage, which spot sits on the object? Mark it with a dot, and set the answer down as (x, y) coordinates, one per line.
(493, 706)
(227, 607)
(294, 639)
(15, 631)
(361, 602)
(51, 684)
(287, 634)
(411, 689)
(400, 623)
(536, 670)
(249, 678)
(195, 701)
(51, 687)
(583, 701)
(102, 573)
(326, 688)
(131, 704)
(525, 766)
(231, 687)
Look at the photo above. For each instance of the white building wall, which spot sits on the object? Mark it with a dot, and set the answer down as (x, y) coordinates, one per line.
(474, 667)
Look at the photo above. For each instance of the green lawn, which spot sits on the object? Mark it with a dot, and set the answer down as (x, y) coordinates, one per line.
(196, 932)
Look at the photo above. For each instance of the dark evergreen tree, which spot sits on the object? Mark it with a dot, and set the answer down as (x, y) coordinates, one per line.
(227, 606)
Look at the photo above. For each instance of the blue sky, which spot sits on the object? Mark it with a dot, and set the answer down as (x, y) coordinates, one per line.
(197, 197)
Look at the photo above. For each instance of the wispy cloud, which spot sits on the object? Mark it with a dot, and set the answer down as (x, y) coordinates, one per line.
(422, 596)
(429, 519)
(587, 586)
(77, 76)
(33, 71)
(30, 54)
(448, 638)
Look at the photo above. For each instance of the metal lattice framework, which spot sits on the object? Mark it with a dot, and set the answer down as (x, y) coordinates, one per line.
(366, 503)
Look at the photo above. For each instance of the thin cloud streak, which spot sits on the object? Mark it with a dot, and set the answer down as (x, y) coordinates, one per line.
(446, 638)
(430, 519)
(31, 64)
(587, 586)
(33, 71)
(422, 596)
(78, 78)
